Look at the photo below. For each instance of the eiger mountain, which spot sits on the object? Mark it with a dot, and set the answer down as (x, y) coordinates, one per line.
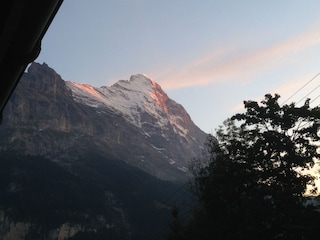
(134, 121)
(108, 154)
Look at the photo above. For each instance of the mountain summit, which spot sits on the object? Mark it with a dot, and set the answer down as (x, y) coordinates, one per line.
(132, 120)
(140, 100)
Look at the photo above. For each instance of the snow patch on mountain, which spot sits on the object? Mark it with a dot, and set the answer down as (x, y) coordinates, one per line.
(133, 98)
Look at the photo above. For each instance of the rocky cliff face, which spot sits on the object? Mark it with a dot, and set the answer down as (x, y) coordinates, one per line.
(80, 162)
(134, 121)
(40, 199)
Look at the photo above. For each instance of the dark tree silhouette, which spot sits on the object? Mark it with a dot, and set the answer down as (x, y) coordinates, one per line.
(255, 183)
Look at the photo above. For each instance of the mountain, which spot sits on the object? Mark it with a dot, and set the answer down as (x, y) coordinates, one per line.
(95, 160)
(133, 120)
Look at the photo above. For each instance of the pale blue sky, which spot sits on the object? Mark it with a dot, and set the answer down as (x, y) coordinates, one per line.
(207, 55)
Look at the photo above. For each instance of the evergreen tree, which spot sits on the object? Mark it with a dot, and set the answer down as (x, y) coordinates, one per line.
(255, 183)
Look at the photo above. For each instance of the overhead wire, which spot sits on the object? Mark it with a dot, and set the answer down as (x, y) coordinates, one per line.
(301, 88)
(315, 99)
(308, 94)
(305, 97)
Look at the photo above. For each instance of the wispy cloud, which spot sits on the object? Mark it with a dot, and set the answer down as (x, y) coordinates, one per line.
(233, 63)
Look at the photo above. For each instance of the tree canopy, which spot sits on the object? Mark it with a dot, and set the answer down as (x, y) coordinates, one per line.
(255, 183)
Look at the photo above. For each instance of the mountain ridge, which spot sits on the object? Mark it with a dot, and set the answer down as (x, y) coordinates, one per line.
(133, 120)
(73, 166)
(132, 96)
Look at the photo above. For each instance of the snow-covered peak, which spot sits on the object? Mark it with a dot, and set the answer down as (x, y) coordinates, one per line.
(142, 78)
(138, 82)
(140, 99)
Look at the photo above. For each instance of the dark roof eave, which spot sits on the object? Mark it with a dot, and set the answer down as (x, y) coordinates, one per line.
(24, 23)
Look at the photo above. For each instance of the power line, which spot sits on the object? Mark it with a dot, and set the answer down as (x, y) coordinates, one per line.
(309, 93)
(301, 88)
(315, 98)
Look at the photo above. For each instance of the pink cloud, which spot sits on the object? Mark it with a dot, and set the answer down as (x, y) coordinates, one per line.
(233, 63)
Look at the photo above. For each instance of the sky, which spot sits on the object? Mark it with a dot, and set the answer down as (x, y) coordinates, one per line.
(207, 55)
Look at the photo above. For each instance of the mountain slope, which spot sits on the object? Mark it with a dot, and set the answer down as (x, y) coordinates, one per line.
(79, 162)
(134, 121)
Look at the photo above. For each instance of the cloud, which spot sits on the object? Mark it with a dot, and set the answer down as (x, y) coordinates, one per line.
(235, 63)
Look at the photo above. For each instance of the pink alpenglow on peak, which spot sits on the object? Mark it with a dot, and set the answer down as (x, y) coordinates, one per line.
(137, 99)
